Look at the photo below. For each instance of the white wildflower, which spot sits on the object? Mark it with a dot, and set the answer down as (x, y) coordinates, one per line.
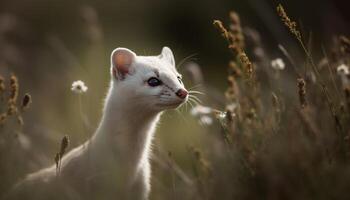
(343, 69)
(206, 120)
(79, 87)
(221, 115)
(278, 64)
(231, 107)
(343, 72)
(200, 110)
(203, 114)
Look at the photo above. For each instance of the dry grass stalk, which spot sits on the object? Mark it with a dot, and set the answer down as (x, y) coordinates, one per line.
(64, 145)
(292, 25)
(344, 44)
(228, 36)
(347, 97)
(231, 92)
(244, 106)
(312, 129)
(247, 64)
(14, 87)
(233, 70)
(276, 104)
(2, 87)
(12, 107)
(319, 79)
(236, 31)
(3, 117)
(235, 41)
(26, 101)
(302, 92)
(218, 24)
(202, 171)
(293, 29)
(60, 154)
(275, 101)
(202, 166)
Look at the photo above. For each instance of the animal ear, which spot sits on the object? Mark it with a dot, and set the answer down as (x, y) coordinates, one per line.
(121, 61)
(168, 55)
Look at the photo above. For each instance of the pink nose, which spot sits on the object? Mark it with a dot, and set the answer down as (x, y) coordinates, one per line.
(182, 93)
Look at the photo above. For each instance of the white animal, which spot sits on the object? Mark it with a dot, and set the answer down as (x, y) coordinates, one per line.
(114, 163)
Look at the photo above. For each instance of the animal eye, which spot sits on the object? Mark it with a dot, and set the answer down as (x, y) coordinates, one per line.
(179, 78)
(153, 82)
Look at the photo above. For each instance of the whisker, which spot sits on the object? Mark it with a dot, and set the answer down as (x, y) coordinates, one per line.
(190, 103)
(181, 108)
(181, 115)
(193, 101)
(196, 98)
(196, 92)
(195, 86)
(185, 59)
(186, 106)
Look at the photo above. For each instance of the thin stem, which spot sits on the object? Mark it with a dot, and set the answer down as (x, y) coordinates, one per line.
(82, 116)
(289, 57)
(331, 73)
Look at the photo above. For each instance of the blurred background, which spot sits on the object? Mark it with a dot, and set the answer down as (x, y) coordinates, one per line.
(50, 44)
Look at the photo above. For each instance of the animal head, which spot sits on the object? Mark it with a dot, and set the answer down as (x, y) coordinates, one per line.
(147, 81)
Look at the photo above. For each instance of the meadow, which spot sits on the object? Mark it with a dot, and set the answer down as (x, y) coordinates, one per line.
(266, 121)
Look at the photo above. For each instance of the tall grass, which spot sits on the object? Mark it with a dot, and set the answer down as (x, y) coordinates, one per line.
(275, 133)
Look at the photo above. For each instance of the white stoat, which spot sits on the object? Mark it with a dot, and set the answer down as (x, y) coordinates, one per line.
(114, 163)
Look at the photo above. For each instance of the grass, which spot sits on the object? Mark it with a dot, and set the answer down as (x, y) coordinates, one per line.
(280, 133)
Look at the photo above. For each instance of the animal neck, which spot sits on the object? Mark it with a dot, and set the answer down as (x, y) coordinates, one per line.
(125, 132)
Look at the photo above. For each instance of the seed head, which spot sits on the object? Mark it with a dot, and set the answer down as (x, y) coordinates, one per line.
(302, 92)
(64, 145)
(233, 70)
(3, 117)
(26, 101)
(344, 44)
(236, 30)
(218, 24)
(12, 109)
(292, 26)
(2, 85)
(247, 64)
(13, 89)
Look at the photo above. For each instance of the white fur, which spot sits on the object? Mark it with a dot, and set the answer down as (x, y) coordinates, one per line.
(114, 163)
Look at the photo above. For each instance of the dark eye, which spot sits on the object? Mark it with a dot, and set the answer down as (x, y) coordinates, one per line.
(179, 78)
(153, 82)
